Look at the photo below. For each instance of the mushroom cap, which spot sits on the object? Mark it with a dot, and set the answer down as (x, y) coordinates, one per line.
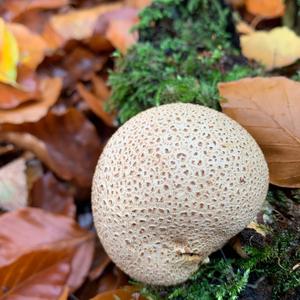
(173, 185)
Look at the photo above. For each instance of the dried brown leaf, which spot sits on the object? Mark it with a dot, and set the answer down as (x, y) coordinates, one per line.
(13, 185)
(125, 293)
(96, 105)
(50, 89)
(100, 262)
(68, 144)
(81, 64)
(100, 88)
(56, 246)
(266, 8)
(51, 195)
(41, 274)
(118, 33)
(269, 109)
(112, 279)
(140, 4)
(27, 90)
(79, 24)
(116, 26)
(14, 8)
(32, 47)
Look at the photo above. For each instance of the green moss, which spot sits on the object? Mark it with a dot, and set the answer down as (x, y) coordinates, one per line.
(181, 56)
(226, 279)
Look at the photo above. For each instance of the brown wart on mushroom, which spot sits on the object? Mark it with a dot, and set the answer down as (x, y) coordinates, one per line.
(173, 185)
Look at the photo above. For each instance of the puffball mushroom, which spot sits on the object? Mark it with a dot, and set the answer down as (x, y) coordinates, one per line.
(173, 185)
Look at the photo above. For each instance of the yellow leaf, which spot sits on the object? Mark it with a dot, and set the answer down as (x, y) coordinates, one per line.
(277, 48)
(9, 55)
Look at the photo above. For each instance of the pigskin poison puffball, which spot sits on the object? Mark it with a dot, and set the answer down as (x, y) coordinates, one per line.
(173, 185)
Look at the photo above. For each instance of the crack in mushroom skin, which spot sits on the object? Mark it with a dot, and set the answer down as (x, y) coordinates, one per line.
(173, 185)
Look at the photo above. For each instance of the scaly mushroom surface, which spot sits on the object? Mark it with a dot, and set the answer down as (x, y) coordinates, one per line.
(173, 185)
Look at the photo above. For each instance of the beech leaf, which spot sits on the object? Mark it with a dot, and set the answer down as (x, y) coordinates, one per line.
(50, 90)
(96, 105)
(27, 90)
(49, 251)
(14, 8)
(77, 24)
(277, 48)
(269, 108)
(31, 53)
(41, 273)
(51, 195)
(266, 8)
(68, 144)
(125, 293)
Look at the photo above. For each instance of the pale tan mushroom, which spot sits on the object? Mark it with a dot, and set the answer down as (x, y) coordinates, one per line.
(173, 185)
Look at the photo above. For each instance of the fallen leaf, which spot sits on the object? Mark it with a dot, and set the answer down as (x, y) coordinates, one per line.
(81, 64)
(118, 33)
(32, 112)
(244, 28)
(30, 53)
(14, 8)
(140, 4)
(7, 149)
(262, 230)
(116, 26)
(41, 273)
(100, 262)
(50, 251)
(79, 24)
(9, 55)
(100, 88)
(13, 185)
(51, 195)
(68, 144)
(27, 90)
(125, 293)
(269, 109)
(96, 105)
(266, 8)
(34, 169)
(65, 294)
(112, 279)
(277, 48)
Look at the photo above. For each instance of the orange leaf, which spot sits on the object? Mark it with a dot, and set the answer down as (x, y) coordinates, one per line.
(27, 90)
(269, 109)
(116, 26)
(125, 293)
(41, 273)
(14, 8)
(50, 89)
(31, 53)
(96, 105)
(79, 24)
(141, 4)
(49, 251)
(100, 88)
(266, 8)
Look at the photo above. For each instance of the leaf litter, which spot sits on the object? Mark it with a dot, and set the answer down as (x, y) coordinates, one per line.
(53, 97)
